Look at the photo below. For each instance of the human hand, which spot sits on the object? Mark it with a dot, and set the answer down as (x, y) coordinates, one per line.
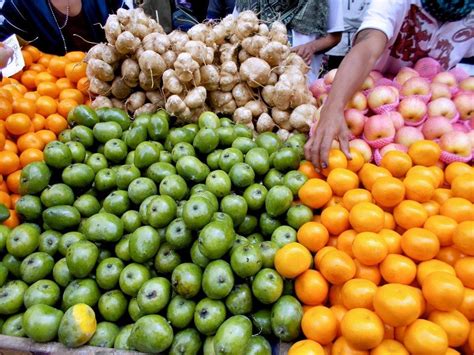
(305, 51)
(5, 54)
(331, 125)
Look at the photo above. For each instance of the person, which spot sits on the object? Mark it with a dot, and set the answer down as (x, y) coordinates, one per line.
(5, 54)
(393, 34)
(159, 10)
(187, 13)
(58, 26)
(314, 25)
(219, 9)
(354, 11)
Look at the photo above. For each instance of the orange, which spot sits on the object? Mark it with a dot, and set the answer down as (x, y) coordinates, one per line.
(420, 244)
(65, 106)
(454, 323)
(46, 136)
(431, 207)
(339, 311)
(48, 89)
(366, 272)
(369, 248)
(311, 288)
(306, 347)
(463, 186)
(337, 267)
(458, 208)
(409, 214)
(44, 59)
(362, 328)
(333, 201)
(32, 95)
(75, 56)
(456, 169)
(322, 252)
(29, 140)
(357, 161)
(44, 76)
(315, 193)
(3, 186)
(319, 324)
(467, 305)
(56, 123)
(74, 94)
(418, 189)
(424, 152)
(427, 267)
(398, 269)
(38, 122)
(46, 106)
(5, 199)
(10, 146)
(313, 235)
(30, 155)
(21, 105)
(9, 162)
(37, 67)
(389, 221)
(358, 293)
(83, 86)
(28, 79)
(355, 196)
(370, 173)
(27, 57)
(342, 180)
(336, 159)
(335, 219)
(449, 255)
(465, 271)
(463, 237)
(398, 305)
(443, 290)
(367, 217)
(443, 227)
(57, 66)
(34, 52)
(345, 240)
(438, 173)
(13, 182)
(388, 191)
(2, 141)
(393, 240)
(389, 347)
(292, 260)
(76, 71)
(341, 347)
(63, 84)
(441, 195)
(13, 220)
(335, 296)
(6, 108)
(425, 337)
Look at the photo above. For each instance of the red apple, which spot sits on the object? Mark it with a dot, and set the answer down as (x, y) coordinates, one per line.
(393, 146)
(382, 95)
(408, 135)
(355, 120)
(440, 90)
(455, 142)
(465, 104)
(397, 119)
(329, 77)
(435, 127)
(358, 101)
(447, 78)
(318, 88)
(368, 83)
(404, 74)
(376, 75)
(467, 84)
(415, 86)
(378, 127)
(460, 127)
(442, 107)
(362, 147)
(413, 109)
(427, 67)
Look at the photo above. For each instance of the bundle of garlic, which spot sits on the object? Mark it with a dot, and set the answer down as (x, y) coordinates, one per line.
(237, 67)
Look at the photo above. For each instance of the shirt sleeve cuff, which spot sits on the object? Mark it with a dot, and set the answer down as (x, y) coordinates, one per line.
(376, 25)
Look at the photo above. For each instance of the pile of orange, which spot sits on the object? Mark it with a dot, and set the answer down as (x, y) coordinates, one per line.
(387, 264)
(34, 105)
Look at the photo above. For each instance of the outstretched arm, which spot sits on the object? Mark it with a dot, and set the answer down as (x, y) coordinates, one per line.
(323, 44)
(355, 67)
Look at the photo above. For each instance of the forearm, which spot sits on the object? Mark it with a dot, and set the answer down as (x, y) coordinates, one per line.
(325, 43)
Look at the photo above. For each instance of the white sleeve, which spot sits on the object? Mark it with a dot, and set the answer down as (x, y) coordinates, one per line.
(384, 16)
(335, 16)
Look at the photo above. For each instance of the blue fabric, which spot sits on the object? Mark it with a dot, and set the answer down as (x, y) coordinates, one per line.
(33, 21)
(219, 9)
(448, 10)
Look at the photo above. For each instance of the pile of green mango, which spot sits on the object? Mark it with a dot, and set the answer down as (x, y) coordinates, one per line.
(148, 236)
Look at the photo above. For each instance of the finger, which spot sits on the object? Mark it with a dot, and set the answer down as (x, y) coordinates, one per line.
(344, 144)
(315, 147)
(307, 148)
(324, 150)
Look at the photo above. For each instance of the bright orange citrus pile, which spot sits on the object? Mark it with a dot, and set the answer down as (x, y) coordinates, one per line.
(34, 105)
(387, 266)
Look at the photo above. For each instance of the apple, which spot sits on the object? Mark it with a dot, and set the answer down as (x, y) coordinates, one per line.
(427, 67)
(447, 78)
(368, 83)
(358, 101)
(376, 75)
(404, 74)
(397, 119)
(382, 95)
(378, 127)
(393, 146)
(435, 127)
(415, 86)
(440, 90)
(470, 134)
(329, 77)
(355, 121)
(413, 109)
(467, 84)
(408, 135)
(460, 127)
(455, 142)
(465, 105)
(362, 147)
(459, 73)
(442, 107)
(318, 87)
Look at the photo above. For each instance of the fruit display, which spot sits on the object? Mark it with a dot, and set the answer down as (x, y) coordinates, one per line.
(143, 235)
(238, 67)
(34, 105)
(418, 103)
